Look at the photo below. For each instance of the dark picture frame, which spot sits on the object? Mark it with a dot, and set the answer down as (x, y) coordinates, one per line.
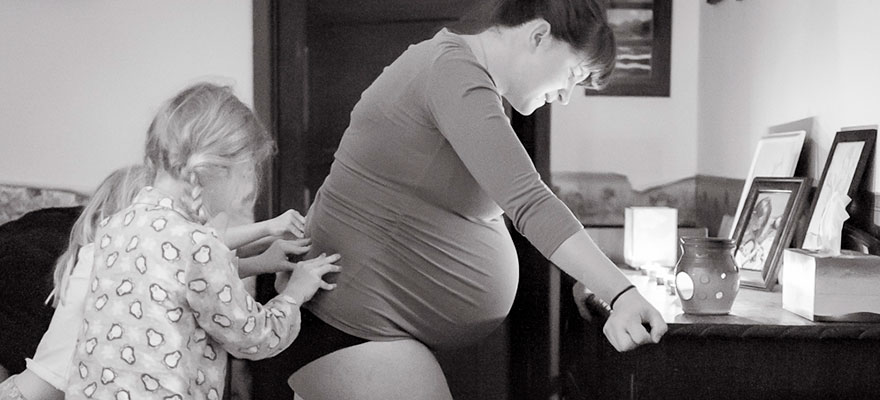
(766, 227)
(844, 169)
(643, 32)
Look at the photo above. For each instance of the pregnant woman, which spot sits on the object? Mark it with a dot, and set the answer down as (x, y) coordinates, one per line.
(415, 199)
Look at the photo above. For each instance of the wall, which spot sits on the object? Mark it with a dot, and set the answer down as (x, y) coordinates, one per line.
(80, 81)
(651, 140)
(766, 63)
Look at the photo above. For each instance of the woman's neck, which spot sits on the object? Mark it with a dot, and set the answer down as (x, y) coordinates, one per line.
(489, 48)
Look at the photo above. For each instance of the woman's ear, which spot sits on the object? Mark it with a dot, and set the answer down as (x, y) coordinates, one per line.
(539, 33)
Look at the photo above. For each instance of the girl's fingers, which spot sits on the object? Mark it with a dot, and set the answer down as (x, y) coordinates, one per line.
(324, 269)
(297, 231)
(301, 242)
(296, 246)
(297, 224)
(320, 260)
(328, 286)
(324, 259)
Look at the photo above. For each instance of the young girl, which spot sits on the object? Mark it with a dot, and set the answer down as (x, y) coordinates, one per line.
(166, 303)
(46, 374)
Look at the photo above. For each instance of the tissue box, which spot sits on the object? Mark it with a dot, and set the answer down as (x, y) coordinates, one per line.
(831, 288)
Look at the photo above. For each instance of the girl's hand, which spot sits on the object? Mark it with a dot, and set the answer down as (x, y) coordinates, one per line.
(276, 258)
(220, 223)
(587, 302)
(308, 277)
(624, 327)
(289, 222)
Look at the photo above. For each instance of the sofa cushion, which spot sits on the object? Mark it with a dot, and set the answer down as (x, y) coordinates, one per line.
(29, 247)
(16, 201)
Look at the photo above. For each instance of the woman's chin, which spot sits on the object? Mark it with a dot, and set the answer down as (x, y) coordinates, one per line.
(528, 108)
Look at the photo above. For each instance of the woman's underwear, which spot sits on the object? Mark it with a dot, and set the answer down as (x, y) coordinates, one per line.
(316, 339)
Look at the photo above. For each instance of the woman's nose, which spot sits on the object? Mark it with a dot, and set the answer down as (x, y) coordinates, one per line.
(564, 95)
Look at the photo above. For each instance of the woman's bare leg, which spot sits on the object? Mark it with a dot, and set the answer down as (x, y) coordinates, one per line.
(400, 369)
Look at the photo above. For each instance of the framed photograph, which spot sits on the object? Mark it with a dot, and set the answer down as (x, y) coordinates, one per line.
(843, 172)
(777, 156)
(642, 31)
(765, 227)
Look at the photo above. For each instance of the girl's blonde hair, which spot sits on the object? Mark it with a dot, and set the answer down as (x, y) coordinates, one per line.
(204, 128)
(111, 196)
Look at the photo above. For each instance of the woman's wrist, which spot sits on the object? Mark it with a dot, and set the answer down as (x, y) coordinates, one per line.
(620, 294)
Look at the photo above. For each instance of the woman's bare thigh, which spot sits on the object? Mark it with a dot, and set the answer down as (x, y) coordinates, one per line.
(400, 369)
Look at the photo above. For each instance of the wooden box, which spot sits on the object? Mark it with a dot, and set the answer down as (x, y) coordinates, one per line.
(831, 288)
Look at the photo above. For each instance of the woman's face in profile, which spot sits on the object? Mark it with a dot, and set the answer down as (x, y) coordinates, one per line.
(549, 74)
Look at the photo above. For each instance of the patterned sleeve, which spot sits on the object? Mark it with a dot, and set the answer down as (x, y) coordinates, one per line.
(228, 313)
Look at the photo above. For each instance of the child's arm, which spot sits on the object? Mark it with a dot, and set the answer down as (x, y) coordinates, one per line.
(225, 310)
(28, 385)
(291, 222)
(275, 258)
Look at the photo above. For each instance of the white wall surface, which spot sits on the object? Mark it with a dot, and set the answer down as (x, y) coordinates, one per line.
(652, 140)
(766, 63)
(81, 80)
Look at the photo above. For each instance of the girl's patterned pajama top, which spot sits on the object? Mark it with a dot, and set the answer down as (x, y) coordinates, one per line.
(165, 306)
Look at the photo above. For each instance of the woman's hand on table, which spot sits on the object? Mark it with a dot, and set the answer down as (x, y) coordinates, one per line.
(624, 328)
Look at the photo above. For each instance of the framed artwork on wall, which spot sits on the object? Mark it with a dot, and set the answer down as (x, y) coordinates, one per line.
(765, 227)
(844, 168)
(777, 156)
(643, 32)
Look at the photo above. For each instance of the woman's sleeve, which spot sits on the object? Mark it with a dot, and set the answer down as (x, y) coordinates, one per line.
(228, 313)
(469, 112)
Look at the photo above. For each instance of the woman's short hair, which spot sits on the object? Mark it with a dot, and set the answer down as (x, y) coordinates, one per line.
(580, 23)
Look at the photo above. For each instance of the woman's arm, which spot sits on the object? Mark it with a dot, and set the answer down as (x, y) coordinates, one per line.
(469, 113)
(582, 259)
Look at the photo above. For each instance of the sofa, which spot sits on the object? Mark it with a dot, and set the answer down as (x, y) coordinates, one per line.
(17, 200)
(34, 229)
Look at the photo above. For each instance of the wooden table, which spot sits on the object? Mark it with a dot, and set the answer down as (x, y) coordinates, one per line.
(751, 307)
(758, 351)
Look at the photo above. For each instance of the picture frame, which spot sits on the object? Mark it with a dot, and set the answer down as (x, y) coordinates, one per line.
(776, 155)
(844, 169)
(643, 34)
(766, 227)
